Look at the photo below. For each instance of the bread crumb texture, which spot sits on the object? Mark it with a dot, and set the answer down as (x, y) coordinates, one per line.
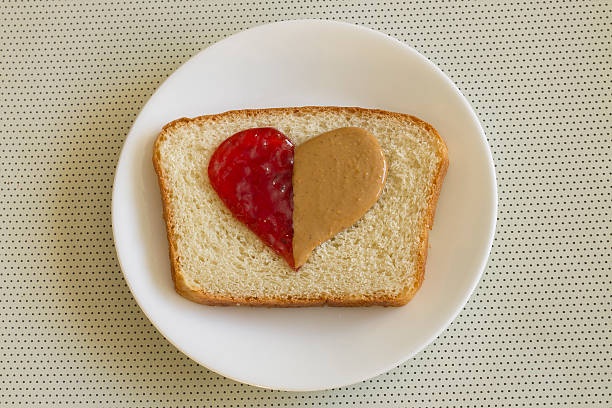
(378, 257)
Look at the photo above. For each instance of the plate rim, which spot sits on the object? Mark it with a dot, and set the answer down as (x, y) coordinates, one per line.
(483, 140)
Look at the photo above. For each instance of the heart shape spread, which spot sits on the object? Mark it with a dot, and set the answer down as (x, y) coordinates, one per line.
(294, 199)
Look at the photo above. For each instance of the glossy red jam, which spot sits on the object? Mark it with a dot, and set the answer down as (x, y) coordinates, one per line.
(252, 173)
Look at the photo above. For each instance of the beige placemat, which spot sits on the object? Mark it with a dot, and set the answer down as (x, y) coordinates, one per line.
(536, 333)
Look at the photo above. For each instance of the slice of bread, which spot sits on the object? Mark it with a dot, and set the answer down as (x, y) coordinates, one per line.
(380, 260)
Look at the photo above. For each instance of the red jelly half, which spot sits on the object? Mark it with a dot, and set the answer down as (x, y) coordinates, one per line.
(252, 172)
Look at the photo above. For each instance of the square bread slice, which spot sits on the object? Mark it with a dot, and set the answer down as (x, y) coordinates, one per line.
(380, 260)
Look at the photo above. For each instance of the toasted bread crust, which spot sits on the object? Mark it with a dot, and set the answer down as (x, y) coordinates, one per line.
(431, 210)
(202, 297)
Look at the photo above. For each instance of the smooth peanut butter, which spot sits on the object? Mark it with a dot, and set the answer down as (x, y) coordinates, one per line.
(337, 177)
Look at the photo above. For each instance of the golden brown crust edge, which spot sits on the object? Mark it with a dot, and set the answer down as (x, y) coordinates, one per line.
(167, 210)
(431, 210)
(202, 297)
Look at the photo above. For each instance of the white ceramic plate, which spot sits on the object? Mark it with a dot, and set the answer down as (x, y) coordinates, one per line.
(300, 63)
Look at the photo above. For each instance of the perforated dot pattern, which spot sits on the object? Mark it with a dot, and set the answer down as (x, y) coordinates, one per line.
(536, 333)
